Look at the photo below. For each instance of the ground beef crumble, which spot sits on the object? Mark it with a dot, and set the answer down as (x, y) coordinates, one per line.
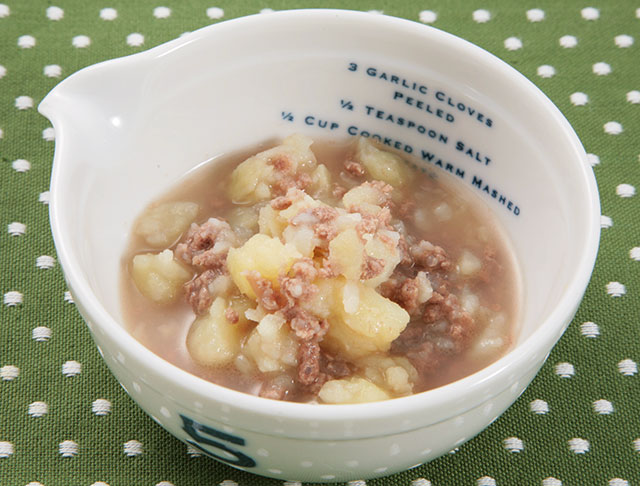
(430, 256)
(206, 245)
(354, 168)
(197, 291)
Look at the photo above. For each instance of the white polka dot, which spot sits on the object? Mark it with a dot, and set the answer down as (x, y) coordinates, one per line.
(603, 407)
(628, 367)
(589, 329)
(512, 44)
(136, 387)
(68, 298)
(81, 41)
(352, 463)
(52, 71)
(45, 262)
(41, 334)
(24, 102)
(539, 407)
(357, 482)
(605, 222)
(13, 298)
(513, 444)
(327, 476)
(601, 68)
(6, 449)
(593, 160)
(380, 470)
(579, 99)
(421, 482)
(68, 448)
(108, 14)
(101, 407)
(546, 71)
(1, 133)
(165, 412)
(486, 481)
(618, 482)
(38, 409)
(135, 40)
(35, 483)
(267, 11)
(26, 41)
(132, 448)
(49, 134)
(634, 253)
(4, 10)
(535, 15)
(162, 12)
(3, 71)
(625, 190)
(616, 289)
(9, 372)
(394, 450)
(590, 13)
(262, 452)
(164, 483)
(215, 13)
(636, 445)
(55, 13)
(278, 471)
(193, 452)
(306, 464)
(16, 229)
(44, 197)
(568, 41)
(71, 368)
(551, 482)
(623, 40)
(292, 483)
(100, 483)
(228, 482)
(565, 370)
(481, 16)
(613, 128)
(579, 446)
(428, 16)
(633, 97)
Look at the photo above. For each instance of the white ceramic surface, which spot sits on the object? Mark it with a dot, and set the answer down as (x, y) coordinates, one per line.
(127, 129)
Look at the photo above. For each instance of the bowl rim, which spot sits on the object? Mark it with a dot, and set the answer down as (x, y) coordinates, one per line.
(540, 341)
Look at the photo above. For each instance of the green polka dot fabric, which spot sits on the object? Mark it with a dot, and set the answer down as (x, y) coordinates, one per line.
(64, 420)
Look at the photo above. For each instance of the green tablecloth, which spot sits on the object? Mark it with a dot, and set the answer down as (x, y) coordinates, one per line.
(65, 421)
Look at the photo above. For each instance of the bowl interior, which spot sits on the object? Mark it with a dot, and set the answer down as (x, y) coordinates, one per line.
(131, 128)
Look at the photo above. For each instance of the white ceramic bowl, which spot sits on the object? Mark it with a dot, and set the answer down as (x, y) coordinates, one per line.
(127, 129)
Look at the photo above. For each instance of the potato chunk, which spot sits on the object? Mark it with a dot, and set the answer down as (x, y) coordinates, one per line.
(212, 339)
(365, 326)
(320, 187)
(381, 165)
(251, 180)
(346, 254)
(351, 390)
(368, 198)
(162, 225)
(384, 251)
(159, 277)
(271, 345)
(266, 255)
(469, 264)
(244, 221)
(394, 374)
